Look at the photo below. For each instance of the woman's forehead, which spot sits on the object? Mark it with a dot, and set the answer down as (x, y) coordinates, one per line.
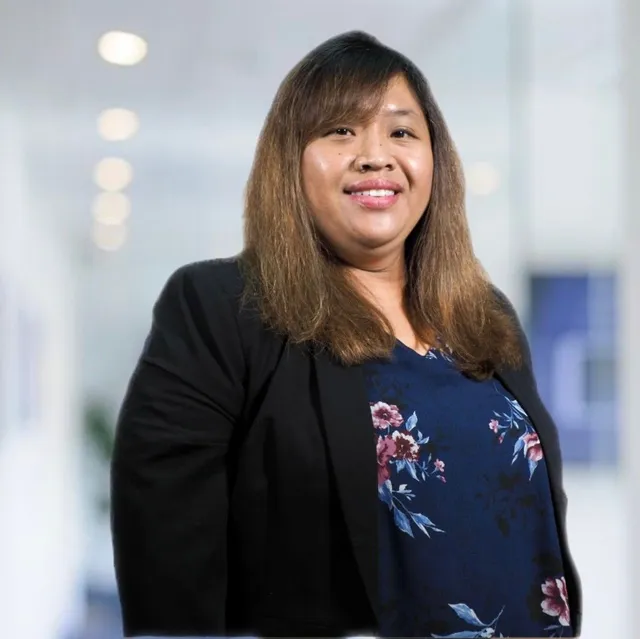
(362, 102)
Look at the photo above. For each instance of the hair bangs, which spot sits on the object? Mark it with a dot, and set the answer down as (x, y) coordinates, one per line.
(346, 86)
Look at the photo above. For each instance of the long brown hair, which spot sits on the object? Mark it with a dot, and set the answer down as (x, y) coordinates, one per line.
(301, 289)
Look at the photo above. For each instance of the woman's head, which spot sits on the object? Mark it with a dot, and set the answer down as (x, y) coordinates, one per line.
(352, 117)
(332, 125)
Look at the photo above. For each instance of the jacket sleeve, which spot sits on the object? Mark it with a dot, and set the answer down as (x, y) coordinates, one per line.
(168, 474)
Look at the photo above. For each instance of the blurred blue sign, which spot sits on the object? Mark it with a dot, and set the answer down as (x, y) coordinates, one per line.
(572, 329)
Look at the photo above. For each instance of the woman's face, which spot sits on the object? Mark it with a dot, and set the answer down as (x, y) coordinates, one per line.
(369, 184)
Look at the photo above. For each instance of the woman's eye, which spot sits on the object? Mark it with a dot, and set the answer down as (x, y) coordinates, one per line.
(341, 131)
(403, 133)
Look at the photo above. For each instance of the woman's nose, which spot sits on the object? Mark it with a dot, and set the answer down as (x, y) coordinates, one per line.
(374, 154)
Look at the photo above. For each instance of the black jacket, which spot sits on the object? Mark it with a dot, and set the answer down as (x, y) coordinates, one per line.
(235, 505)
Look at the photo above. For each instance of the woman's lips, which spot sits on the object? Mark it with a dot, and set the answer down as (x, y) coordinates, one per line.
(375, 202)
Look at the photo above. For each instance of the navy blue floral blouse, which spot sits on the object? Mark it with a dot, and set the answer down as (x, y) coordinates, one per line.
(468, 537)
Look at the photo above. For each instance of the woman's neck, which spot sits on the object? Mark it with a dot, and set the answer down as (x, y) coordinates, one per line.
(382, 284)
(384, 287)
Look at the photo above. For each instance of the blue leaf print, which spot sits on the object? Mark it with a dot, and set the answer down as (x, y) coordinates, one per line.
(495, 621)
(465, 634)
(467, 614)
(402, 521)
(411, 422)
(384, 491)
(519, 409)
(532, 466)
(412, 470)
(400, 465)
(421, 521)
(519, 445)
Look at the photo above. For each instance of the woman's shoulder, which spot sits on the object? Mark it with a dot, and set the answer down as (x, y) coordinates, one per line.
(212, 292)
(503, 301)
(202, 295)
(221, 275)
(211, 286)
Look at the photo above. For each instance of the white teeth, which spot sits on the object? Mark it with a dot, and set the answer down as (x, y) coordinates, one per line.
(376, 193)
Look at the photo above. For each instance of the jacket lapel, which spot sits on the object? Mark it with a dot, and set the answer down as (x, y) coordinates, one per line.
(347, 421)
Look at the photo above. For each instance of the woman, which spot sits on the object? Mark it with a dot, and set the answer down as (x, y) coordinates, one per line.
(338, 431)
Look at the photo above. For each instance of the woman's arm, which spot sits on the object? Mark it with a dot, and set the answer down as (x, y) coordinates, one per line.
(168, 475)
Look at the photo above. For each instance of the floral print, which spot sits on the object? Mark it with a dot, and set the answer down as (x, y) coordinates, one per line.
(556, 602)
(385, 415)
(469, 616)
(406, 447)
(386, 449)
(400, 449)
(532, 447)
(464, 496)
(516, 421)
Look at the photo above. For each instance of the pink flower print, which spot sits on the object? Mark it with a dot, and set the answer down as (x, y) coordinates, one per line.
(556, 601)
(493, 425)
(439, 465)
(406, 446)
(386, 449)
(385, 415)
(532, 447)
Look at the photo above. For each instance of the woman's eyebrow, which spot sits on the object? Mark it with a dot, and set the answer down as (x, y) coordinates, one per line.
(395, 111)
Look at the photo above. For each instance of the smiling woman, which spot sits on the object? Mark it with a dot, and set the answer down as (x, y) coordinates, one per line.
(350, 112)
(338, 432)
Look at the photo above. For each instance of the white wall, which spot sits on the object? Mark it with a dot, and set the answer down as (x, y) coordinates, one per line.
(574, 216)
(40, 515)
(577, 214)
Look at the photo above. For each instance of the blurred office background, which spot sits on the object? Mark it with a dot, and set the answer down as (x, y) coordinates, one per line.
(123, 157)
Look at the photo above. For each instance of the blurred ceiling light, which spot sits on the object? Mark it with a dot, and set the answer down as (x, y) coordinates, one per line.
(124, 49)
(108, 237)
(115, 125)
(111, 209)
(113, 174)
(483, 178)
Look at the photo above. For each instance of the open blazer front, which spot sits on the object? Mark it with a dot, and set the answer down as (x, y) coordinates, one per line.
(244, 476)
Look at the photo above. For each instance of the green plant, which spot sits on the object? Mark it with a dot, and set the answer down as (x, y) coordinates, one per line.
(99, 430)
(99, 435)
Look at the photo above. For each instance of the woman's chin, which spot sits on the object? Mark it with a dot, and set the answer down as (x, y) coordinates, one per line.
(373, 241)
